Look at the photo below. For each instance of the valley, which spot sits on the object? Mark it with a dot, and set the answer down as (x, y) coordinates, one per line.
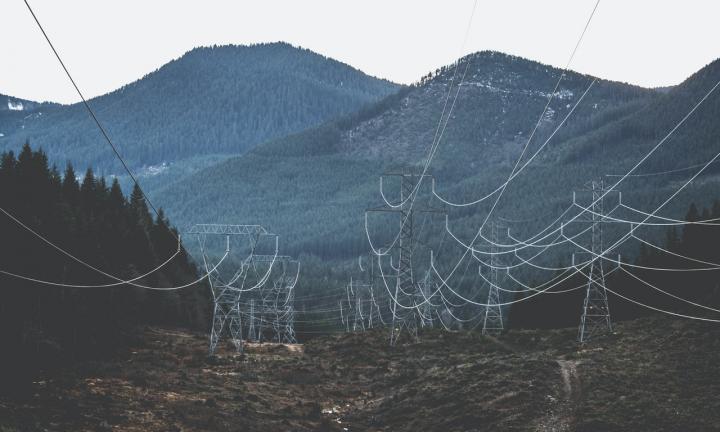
(259, 236)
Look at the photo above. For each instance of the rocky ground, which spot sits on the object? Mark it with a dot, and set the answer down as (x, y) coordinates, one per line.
(651, 375)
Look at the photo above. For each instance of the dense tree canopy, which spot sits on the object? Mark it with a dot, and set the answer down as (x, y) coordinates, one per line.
(42, 325)
(212, 100)
(698, 242)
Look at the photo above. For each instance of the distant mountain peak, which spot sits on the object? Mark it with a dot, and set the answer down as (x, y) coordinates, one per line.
(219, 100)
(9, 103)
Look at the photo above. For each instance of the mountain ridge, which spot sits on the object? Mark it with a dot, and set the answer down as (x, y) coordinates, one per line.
(216, 100)
(315, 171)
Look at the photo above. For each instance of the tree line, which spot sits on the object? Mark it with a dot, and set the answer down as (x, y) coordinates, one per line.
(699, 242)
(42, 326)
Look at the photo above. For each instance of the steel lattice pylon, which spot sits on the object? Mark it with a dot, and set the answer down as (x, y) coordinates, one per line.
(359, 310)
(406, 299)
(427, 309)
(252, 330)
(277, 306)
(405, 287)
(226, 292)
(492, 318)
(595, 318)
(283, 311)
(360, 307)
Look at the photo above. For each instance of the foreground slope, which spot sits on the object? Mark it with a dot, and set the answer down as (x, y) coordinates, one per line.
(651, 375)
(215, 100)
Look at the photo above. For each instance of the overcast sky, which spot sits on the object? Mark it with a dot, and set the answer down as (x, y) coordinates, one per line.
(107, 44)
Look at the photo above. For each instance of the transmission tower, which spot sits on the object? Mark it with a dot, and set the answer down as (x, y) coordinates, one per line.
(277, 308)
(226, 292)
(359, 310)
(405, 319)
(344, 319)
(283, 311)
(408, 318)
(289, 318)
(492, 318)
(595, 317)
(371, 311)
(427, 309)
(252, 330)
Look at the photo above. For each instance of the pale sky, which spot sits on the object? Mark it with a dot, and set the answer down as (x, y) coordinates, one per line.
(107, 44)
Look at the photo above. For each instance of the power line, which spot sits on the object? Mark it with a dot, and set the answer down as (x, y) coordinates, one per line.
(615, 245)
(713, 221)
(669, 252)
(644, 282)
(659, 173)
(557, 85)
(92, 113)
(86, 264)
(443, 281)
(629, 236)
(502, 187)
(644, 158)
(436, 139)
(663, 310)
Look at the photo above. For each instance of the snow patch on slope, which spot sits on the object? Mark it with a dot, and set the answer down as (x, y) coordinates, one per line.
(14, 106)
(153, 170)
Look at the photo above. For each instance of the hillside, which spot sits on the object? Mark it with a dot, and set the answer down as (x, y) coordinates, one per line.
(211, 101)
(325, 177)
(81, 311)
(14, 112)
(312, 185)
(9, 105)
(650, 375)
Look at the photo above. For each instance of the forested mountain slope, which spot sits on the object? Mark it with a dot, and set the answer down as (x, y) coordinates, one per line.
(216, 100)
(325, 177)
(14, 112)
(46, 325)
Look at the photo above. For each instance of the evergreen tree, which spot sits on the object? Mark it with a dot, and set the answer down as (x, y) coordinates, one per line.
(40, 325)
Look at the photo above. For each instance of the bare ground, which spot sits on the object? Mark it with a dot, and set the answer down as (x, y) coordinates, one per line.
(561, 413)
(651, 375)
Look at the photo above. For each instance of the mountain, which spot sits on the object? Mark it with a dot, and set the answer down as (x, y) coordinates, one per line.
(9, 105)
(326, 176)
(220, 100)
(313, 186)
(14, 112)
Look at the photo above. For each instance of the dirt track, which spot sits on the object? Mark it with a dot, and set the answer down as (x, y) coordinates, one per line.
(561, 416)
(447, 382)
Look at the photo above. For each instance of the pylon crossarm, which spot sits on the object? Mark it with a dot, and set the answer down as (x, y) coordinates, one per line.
(224, 229)
(264, 277)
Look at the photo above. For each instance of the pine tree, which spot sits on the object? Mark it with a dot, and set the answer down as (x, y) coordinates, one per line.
(139, 206)
(99, 225)
(70, 186)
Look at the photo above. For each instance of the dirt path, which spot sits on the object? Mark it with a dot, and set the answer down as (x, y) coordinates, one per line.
(571, 379)
(561, 416)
